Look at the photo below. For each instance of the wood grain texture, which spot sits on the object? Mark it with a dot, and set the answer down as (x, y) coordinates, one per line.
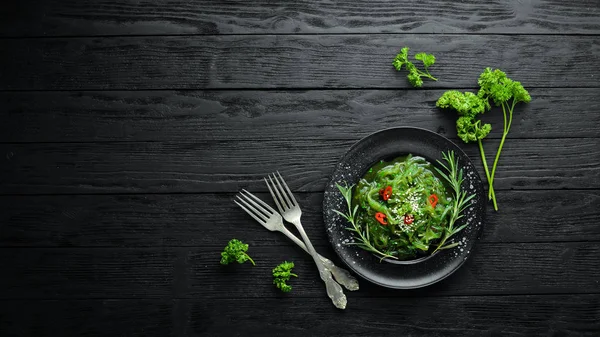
(175, 220)
(86, 318)
(224, 115)
(88, 273)
(298, 61)
(555, 315)
(127, 127)
(463, 316)
(227, 166)
(130, 17)
(81, 273)
(531, 268)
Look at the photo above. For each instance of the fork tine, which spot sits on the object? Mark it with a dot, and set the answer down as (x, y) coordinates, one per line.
(262, 222)
(254, 210)
(256, 202)
(287, 188)
(289, 202)
(276, 196)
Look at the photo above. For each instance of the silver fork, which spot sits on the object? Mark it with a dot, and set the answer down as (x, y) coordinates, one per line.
(271, 220)
(290, 210)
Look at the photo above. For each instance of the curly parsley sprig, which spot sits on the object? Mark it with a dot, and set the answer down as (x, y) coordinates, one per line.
(235, 251)
(414, 74)
(504, 92)
(282, 274)
(468, 127)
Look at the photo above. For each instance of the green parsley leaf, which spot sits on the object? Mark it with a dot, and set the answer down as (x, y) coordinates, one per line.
(471, 130)
(414, 78)
(281, 274)
(415, 75)
(235, 251)
(519, 93)
(427, 59)
(466, 104)
(401, 59)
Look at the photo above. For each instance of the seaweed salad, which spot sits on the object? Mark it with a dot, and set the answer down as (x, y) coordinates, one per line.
(407, 208)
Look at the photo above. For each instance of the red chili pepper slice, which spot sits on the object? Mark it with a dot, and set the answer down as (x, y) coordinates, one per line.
(385, 193)
(408, 219)
(433, 200)
(381, 218)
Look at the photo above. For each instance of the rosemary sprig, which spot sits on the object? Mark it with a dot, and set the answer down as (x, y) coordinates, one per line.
(460, 202)
(362, 235)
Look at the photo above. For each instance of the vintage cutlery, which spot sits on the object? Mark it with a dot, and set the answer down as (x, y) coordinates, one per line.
(272, 220)
(290, 210)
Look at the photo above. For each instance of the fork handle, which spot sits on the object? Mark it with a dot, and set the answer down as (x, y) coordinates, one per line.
(341, 275)
(334, 290)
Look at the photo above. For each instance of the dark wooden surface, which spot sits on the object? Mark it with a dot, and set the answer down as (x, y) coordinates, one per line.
(127, 127)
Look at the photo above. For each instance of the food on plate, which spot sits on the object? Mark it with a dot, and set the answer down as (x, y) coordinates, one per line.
(407, 207)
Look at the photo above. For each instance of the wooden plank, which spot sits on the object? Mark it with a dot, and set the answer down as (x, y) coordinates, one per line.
(86, 318)
(224, 115)
(553, 315)
(508, 268)
(130, 17)
(174, 220)
(88, 273)
(227, 166)
(307, 61)
(81, 273)
(447, 316)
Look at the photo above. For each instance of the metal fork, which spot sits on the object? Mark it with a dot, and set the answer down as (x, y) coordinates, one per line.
(290, 210)
(272, 220)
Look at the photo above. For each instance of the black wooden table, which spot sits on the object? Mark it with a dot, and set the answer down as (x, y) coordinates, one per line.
(127, 127)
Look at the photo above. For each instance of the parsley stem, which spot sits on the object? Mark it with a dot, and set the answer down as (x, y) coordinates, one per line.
(512, 108)
(492, 194)
(294, 275)
(433, 78)
(249, 258)
(491, 181)
(426, 74)
(504, 134)
(504, 116)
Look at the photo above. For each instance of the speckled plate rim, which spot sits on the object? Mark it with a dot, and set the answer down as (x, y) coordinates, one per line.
(476, 233)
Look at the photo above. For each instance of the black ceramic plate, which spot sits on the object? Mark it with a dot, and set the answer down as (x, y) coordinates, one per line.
(386, 145)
